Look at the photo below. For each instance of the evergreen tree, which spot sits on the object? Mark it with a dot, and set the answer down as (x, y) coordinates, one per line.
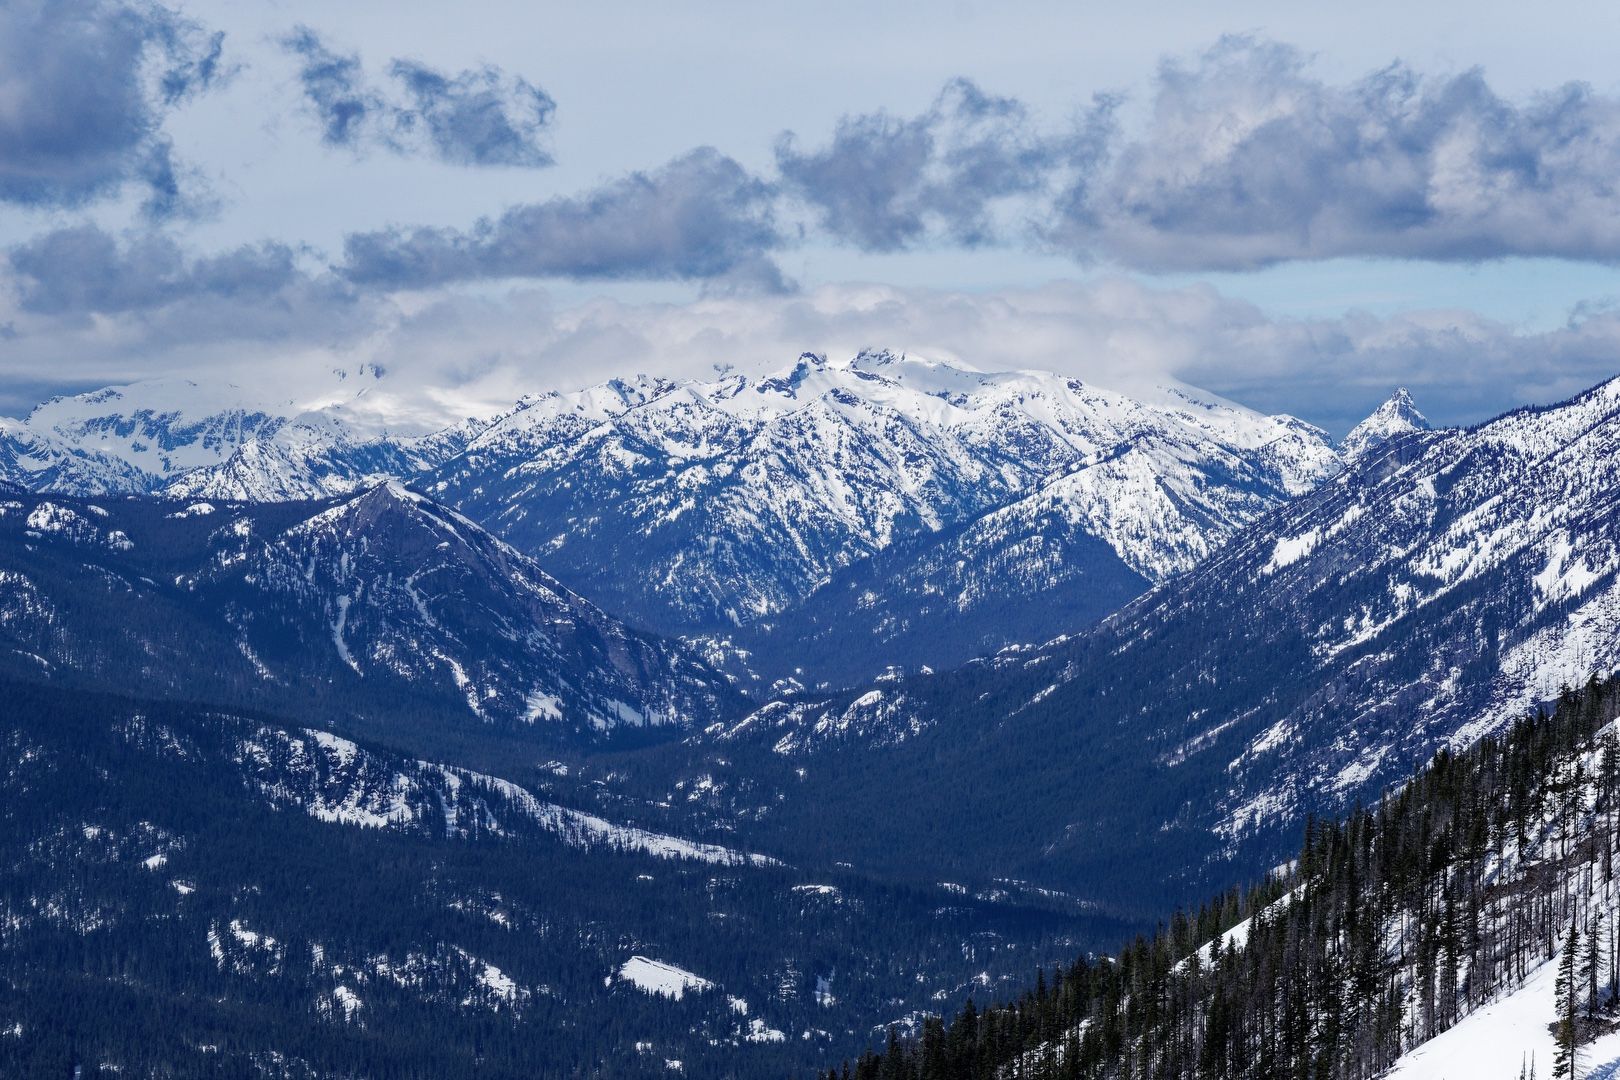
(1567, 994)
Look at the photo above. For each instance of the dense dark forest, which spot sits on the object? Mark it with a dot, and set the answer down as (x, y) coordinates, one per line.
(1393, 924)
(172, 906)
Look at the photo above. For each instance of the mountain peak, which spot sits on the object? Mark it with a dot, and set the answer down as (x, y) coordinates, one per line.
(1397, 416)
(389, 498)
(390, 491)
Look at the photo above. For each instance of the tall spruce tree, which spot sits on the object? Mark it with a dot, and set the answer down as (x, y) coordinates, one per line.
(1567, 995)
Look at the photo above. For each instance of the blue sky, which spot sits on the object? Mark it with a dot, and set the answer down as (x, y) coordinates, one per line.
(1296, 205)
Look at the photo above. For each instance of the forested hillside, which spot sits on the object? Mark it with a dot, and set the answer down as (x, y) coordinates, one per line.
(1393, 925)
(196, 892)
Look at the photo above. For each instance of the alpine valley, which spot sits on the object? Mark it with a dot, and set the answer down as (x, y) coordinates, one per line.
(742, 727)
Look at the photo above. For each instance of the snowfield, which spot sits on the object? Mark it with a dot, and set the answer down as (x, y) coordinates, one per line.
(1492, 1042)
(661, 979)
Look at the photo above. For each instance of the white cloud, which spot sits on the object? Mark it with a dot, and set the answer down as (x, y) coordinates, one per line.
(451, 354)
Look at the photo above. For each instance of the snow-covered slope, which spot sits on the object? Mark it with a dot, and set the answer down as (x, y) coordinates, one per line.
(739, 497)
(1449, 582)
(132, 437)
(333, 779)
(1510, 1033)
(315, 455)
(33, 461)
(1077, 548)
(1424, 597)
(218, 441)
(1489, 553)
(163, 426)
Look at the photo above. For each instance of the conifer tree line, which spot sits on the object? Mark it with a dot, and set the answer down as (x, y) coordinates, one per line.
(1393, 924)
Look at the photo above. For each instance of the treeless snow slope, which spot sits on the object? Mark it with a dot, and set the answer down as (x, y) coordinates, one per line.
(1491, 1043)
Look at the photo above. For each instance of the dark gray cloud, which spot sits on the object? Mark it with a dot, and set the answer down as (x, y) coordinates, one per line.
(476, 117)
(83, 270)
(1249, 160)
(1245, 159)
(335, 88)
(886, 183)
(80, 300)
(700, 217)
(86, 84)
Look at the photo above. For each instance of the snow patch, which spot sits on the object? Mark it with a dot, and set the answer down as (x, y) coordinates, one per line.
(1290, 550)
(660, 979)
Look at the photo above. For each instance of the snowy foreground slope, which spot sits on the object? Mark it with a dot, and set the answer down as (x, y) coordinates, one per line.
(1437, 934)
(1494, 1042)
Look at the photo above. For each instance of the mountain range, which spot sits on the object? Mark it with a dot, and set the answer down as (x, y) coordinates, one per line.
(1423, 597)
(749, 514)
(996, 662)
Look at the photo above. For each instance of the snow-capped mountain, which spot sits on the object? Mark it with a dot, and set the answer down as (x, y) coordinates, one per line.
(705, 507)
(130, 438)
(1394, 418)
(217, 441)
(372, 599)
(738, 498)
(30, 460)
(1428, 595)
(1075, 549)
(317, 455)
(1451, 581)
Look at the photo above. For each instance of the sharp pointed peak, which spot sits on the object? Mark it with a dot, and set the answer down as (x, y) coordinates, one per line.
(1401, 399)
(1400, 404)
(1398, 415)
(395, 489)
(380, 492)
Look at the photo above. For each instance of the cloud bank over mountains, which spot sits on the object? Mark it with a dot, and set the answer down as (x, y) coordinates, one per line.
(452, 355)
(1245, 161)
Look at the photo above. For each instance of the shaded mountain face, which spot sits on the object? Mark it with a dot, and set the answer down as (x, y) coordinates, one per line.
(1424, 597)
(375, 599)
